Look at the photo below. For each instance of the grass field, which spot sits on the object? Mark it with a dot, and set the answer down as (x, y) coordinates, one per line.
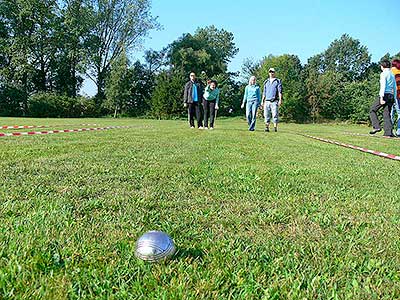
(253, 215)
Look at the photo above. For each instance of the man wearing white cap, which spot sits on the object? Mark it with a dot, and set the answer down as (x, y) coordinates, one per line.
(272, 99)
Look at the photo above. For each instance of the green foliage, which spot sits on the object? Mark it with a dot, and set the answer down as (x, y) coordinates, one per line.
(209, 50)
(141, 86)
(53, 105)
(72, 35)
(360, 95)
(231, 94)
(338, 81)
(117, 85)
(330, 91)
(167, 98)
(119, 25)
(347, 57)
(11, 101)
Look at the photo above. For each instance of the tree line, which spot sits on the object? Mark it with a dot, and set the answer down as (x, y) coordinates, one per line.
(48, 47)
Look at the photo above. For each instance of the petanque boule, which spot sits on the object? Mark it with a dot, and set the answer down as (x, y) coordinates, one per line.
(154, 246)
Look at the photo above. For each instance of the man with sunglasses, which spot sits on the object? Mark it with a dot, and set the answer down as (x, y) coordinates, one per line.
(272, 99)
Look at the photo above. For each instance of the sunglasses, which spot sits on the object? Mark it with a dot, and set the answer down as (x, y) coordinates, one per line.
(272, 71)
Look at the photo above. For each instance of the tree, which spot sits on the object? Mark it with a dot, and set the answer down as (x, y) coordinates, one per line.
(360, 95)
(348, 57)
(155, 60)
(327, 75)
(231, 94)
(72, 37)
(167, 97)
(30, 44)
(141, 85)
(249, 68)
(117, 85)
(119, 24)
(209, 50)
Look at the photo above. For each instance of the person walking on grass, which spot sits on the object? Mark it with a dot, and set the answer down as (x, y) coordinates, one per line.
(192, 100)
(396, 106)
(385, 101)
(210, 103)
(252, 99)
(272, 99)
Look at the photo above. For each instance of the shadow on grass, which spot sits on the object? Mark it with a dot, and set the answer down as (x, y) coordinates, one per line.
(191, 253)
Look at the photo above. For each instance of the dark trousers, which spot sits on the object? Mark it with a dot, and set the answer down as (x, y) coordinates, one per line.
(387, 108)
(194, 110)
(209, 111)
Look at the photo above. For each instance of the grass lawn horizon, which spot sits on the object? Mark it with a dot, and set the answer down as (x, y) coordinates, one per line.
(253, 215)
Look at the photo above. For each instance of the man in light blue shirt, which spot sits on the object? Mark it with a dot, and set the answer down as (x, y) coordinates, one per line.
(385, 101)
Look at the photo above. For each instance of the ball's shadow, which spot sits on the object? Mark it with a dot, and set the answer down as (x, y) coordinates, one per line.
(191, 253)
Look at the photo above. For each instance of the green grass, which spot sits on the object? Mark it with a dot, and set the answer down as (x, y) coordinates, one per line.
(253, 215)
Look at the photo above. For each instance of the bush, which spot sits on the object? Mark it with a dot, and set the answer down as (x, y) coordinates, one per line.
(167, 98)
(55, 106)
(360, 96)
(12, 101)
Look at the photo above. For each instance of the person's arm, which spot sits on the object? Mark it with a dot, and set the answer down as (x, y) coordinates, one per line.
(185, 95)
(217, 99)
(264, 91)
(244, 97)
(382, 83)
(280, 92)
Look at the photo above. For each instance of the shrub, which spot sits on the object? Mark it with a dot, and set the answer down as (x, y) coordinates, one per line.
(51, 105)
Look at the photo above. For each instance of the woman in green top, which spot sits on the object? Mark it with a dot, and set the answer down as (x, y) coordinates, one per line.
(210, 103)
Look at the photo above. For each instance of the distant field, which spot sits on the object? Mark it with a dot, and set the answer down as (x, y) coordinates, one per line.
(253, 215)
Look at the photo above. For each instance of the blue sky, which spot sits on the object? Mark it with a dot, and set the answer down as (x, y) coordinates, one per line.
(302, 27)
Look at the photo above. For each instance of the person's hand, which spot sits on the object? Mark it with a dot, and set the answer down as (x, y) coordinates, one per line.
(261, 105)
(279, 102)
(382, 101)
(184, 105)
(216, 106)
(242, 106)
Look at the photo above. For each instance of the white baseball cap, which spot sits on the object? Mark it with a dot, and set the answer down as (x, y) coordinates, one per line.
(271, 70)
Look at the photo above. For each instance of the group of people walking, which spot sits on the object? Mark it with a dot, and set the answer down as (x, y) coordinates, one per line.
(197, 99)
(271, 100)
(388, 99)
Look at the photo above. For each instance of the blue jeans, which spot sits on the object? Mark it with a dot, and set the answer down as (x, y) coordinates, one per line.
(251, 113)
(396, 108)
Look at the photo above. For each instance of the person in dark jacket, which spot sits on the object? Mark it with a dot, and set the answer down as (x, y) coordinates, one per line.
(192, 100)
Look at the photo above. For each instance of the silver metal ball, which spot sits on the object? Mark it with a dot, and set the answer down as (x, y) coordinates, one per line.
(154, 246)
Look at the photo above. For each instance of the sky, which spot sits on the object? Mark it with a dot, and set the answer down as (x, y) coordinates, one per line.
(263, 27)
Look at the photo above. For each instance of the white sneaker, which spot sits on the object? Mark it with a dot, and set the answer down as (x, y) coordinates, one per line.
(191, 127)
(211, 128)
(206, 128)
(201, 127)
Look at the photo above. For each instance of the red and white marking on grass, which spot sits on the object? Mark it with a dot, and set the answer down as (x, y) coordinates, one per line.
(381, 154)
(61, 131)
(372, 135)
(38, 126)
